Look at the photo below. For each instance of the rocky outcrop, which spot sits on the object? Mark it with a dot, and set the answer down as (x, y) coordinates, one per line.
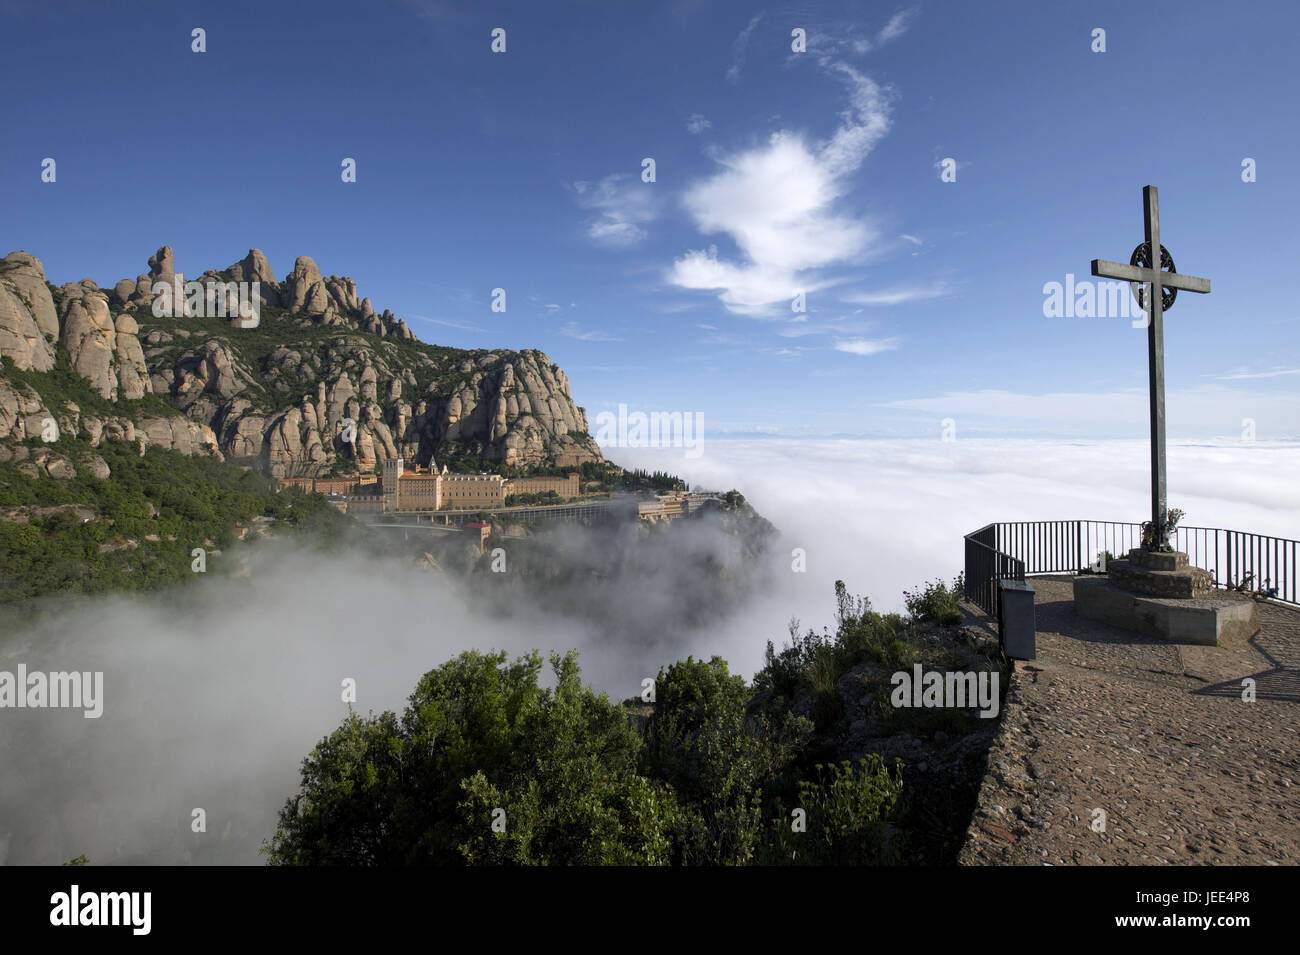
(254, 268)
(132, 370)
(522, 406)
(22, 412)
(90, 336)
(25, 275)
(28, 323)
(176, 434)
(209, 369)
(95, 466)
(304, 288)
(123, 292)
(514, 408)
(24, 416)
(300, 407)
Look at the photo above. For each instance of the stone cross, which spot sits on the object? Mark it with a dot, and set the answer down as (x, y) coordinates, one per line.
(1163, 282)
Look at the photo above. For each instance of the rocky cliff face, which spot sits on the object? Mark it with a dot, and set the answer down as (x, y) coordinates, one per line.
(322, 382)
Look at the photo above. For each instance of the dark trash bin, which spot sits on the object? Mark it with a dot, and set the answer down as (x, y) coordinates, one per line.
(1018, 628)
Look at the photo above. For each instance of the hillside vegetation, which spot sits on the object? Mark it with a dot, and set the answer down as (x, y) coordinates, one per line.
(134, 528)
(485, 766)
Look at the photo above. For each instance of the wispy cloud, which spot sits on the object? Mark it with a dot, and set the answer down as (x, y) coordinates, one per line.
(696, 124)
(623, 203)
(1206, 410)
(898, 295)
(674, 308)
(866, 346)
(1275, 373)
(438, 321)
(738, 48)
(896, 26)
(573, 330)
(796, 352)
(852, 40)
(608, 369)
(716, 337)
(801, 327)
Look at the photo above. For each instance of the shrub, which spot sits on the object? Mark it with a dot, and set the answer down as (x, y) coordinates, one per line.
(847, 814)
(481, 735)
(936, 603)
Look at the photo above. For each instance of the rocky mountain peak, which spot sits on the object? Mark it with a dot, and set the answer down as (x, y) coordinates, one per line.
(325, 383)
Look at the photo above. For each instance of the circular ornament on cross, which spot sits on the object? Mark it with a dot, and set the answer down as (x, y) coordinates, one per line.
(1141, 257)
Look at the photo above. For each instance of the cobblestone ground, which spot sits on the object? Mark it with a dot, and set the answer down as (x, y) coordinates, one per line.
(1154, 735)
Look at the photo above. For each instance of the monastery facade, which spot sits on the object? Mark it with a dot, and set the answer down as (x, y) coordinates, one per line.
(420, 489)
(425, 489)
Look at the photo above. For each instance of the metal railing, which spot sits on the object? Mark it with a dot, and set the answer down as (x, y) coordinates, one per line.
(1235, 559)
(986, 568)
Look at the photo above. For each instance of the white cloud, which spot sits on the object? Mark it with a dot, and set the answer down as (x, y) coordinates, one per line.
(910, 238)
(800, 327)
(730, 339)
(738, 48)
(624, 204)
(697, 124)
(438, 321)
(1275, 373)
(1206, 410)
(896, 26)
(777, 203)
(572, 330)
(898, 295)
(866, 346)
(885, 515)
(841, 39)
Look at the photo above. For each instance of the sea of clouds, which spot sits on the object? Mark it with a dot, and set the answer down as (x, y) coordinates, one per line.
(885, 514)
(214, 693)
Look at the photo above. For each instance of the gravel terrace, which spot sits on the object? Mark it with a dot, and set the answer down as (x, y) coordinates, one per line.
(1154, 735)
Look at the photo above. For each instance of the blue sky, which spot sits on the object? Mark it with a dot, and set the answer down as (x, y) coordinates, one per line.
(775, 170)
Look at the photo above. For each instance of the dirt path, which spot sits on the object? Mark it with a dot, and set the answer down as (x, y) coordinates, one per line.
(1154, 735)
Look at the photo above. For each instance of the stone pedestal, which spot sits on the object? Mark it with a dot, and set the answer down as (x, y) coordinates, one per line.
(1222, 618)
(1162, 595)
(1160, 575)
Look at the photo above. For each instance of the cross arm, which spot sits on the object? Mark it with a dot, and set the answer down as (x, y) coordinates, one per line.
(1132, 273)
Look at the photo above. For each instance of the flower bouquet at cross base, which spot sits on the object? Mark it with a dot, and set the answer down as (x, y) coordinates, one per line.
(1172, 517)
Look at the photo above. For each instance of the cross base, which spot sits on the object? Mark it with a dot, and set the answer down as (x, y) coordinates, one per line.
(1159, 574)
(1221, 619)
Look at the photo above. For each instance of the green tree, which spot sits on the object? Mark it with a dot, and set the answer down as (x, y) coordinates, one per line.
(703, 742)
(481, 742)
(848, 817)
